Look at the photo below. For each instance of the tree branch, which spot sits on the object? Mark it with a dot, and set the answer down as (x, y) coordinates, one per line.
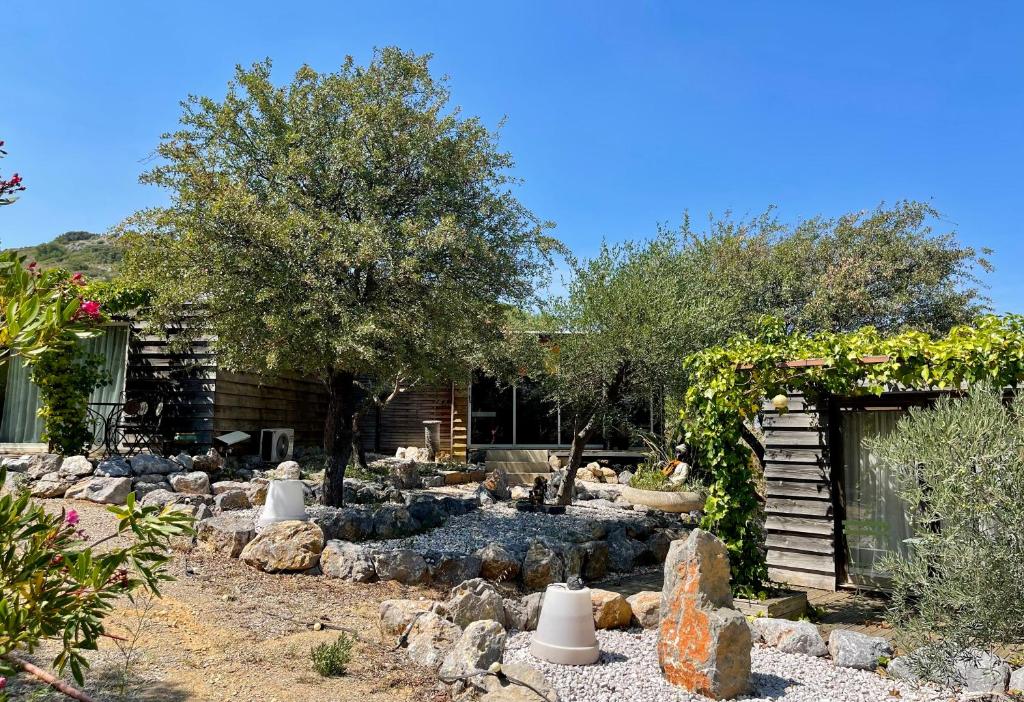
(57, 684)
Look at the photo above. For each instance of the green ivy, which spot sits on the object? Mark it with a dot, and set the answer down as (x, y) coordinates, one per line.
(727, 384)
(66, 376)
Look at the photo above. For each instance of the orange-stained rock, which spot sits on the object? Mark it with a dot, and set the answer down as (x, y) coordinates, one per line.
(703, 644)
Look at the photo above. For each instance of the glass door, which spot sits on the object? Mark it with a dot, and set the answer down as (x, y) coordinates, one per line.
(875, 522)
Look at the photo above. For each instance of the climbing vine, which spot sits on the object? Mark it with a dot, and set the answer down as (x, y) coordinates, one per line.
(727, 385)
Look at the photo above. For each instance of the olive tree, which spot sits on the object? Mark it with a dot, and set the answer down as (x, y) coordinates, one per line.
(614, 339)
(959, 470)
(352, 226)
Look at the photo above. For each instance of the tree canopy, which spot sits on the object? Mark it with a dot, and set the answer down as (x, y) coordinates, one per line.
(349, 225)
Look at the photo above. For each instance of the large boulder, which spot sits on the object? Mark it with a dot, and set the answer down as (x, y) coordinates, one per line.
(228, 485)
(231, 500)
(404, 475)
(42, 464)
(348, 561)
(404, 565)
(258, 491)
(148, 464)
(646, 608)
(14, 483)
(430, 639)
(210, 462)
(397, 615)
(114, 467)
(287, 470)
(703, 644)
(447, 569)
(481, 644)
(541, 567)
(107, 491)
(76, 467)
(16, 464)
(979, 671)
(162, 497)
(524, 613)
(851, 649)
(184, 461)
(50, 485)
(285, 546)
(194, 483)
(611, 611)
(472, 601)
(596, 556)
(1017, 681)
(346, 523)
(227, 534)
(497, 563)
(789, 636)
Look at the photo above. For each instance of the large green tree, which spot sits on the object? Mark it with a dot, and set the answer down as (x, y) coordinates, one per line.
(887, 268)
(353, 226)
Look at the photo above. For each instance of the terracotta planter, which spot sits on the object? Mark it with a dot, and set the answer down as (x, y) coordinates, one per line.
(665, 501)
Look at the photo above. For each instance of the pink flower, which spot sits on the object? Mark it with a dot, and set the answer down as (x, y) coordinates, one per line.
(3, 680)
(78, 279)
(89, 308)
(71, 518)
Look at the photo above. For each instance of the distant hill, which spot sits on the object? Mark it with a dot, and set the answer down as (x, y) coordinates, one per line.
(93, 255)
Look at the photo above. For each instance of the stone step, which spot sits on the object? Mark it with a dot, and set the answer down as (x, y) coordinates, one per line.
(517, 467)
(525, 479)
(518, 455)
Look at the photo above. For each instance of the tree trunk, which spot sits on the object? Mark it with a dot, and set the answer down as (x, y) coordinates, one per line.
(358, 452)
(338, 435)
(579, 442)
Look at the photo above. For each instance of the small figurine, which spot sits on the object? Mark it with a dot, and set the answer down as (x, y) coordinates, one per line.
(540, 488)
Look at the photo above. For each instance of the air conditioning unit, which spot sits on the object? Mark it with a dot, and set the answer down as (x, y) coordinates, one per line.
(276, 445)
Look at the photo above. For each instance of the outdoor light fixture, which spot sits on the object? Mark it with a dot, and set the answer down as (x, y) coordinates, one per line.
(286, 501)
(565, 632)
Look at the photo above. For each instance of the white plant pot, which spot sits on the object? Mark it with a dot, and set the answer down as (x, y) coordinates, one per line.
(286, 501)
(565, 631)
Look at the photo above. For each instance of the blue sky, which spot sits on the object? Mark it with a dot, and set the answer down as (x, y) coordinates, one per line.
(620, 115)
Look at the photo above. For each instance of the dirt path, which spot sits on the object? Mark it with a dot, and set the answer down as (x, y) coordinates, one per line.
(223, 631)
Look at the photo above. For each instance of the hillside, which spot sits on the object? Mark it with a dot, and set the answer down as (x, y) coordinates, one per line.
(94, 255)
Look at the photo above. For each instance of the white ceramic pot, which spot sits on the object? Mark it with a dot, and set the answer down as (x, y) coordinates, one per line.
(665, 501)
(565, 631)
(286, 501)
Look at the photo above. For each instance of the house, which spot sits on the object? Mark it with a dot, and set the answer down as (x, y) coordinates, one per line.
(180, 399)
(832, 513)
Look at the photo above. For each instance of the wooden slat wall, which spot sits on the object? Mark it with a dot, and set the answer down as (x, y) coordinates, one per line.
(401, 422)
(251, 403)
(187, 380)
(800, 508)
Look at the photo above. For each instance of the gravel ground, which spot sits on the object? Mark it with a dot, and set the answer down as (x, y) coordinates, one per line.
(628, 671)
(469, 532)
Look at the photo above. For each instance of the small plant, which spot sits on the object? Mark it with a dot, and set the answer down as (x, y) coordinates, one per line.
(652, 477)
(330, 659)
(65, 376)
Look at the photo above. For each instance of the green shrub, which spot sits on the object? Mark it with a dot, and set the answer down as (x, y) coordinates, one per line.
(960, 467)
(65, 376)
(330, 659)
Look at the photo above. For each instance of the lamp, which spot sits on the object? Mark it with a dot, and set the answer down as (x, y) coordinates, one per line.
(565, 631)
(286, 501)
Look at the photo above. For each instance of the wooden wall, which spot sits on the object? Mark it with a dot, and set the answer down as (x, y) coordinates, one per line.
(401, 422)
(251, 403)
(185, 380)
(800, 511)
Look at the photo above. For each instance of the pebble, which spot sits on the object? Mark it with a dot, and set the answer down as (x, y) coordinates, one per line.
(628, 671)
(514, 529)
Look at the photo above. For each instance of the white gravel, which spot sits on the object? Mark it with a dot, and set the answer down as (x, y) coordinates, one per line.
(468, 532)
(628, 671)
